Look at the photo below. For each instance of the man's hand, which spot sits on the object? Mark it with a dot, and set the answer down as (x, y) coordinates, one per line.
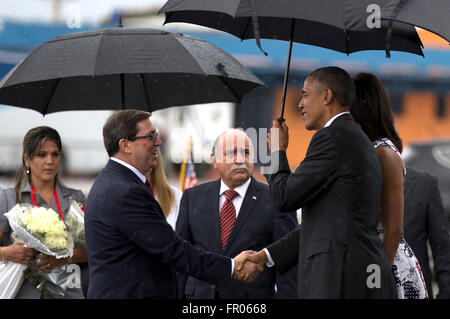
(248, 265)
(282, 131)
(46, 263)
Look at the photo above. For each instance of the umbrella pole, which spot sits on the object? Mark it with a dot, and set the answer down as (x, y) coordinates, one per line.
(286, 73)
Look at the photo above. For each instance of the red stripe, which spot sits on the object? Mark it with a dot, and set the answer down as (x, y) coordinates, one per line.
(227, 216)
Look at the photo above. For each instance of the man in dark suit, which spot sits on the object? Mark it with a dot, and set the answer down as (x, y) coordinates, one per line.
(338, 187)
(258, 222)
(132, 250)
(426, 220)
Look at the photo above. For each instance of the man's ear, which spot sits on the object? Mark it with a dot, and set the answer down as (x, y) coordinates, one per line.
(124, 146)
(328, 96)
(213, 159)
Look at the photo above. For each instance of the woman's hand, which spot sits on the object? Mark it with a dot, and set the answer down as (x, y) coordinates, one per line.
(46, 263)
(18, 253)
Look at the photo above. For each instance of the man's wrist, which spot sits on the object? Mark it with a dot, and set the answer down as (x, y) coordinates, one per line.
(232, 267)
(268, 259)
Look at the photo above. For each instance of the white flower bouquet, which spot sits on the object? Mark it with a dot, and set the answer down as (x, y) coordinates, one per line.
(75, 223)
(41, 229)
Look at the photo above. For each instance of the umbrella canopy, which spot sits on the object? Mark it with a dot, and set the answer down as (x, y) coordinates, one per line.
(429, 15)
(341, 25)
(122, 68)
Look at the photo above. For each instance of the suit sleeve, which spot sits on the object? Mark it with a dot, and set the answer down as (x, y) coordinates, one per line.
(286, 281)
(183, 231)
(291, 191)
(439, 239)
(285, 251)
(182, 228)
(144, 224)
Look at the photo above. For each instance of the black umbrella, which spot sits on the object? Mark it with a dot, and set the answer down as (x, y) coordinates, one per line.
(122, 68)
(340, 25)
(429, 15)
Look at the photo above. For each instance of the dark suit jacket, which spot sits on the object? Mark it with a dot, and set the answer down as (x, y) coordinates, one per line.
(131, 248)
(426, 219)
(258, 224)
(338, 186)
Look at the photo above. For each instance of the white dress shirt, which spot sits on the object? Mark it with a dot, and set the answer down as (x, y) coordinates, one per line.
(335, 117)
(237, 201)
(132, 168)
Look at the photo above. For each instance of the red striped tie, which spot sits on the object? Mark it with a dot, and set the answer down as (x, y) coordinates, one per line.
(227, 216)
(149, 187)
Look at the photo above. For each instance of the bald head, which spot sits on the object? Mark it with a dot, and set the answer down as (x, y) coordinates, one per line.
(232, 157)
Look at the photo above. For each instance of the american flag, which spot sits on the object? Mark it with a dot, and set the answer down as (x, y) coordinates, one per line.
(188, 178)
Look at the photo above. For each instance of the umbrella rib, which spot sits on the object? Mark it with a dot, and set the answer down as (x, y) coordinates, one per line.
(344, 25)
(394, 14)
(229, 88)
(146, 93)
(51, 95)
(245, 29)
(98, 51)
(256, 25)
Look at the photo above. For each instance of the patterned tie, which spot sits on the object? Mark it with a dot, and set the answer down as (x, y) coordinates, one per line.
(227, 216)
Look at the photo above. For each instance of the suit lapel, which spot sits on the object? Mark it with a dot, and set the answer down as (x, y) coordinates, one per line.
(250, 199)
(131, 177)
(213, 211)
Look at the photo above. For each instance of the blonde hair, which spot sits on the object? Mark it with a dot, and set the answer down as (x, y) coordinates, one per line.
(161, 188)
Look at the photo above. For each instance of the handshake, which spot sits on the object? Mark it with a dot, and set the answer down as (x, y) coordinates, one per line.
(248, 265)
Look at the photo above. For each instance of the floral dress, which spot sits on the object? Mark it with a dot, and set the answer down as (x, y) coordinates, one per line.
(407, 272)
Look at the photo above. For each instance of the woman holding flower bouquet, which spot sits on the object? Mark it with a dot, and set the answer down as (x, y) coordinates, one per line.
(38, 188)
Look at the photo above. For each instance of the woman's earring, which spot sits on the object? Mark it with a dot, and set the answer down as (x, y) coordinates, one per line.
(28, 170)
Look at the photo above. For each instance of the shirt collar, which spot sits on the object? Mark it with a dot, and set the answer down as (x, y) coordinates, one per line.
(335, 117)
(132, 168)
(241, 190)
(59, 188)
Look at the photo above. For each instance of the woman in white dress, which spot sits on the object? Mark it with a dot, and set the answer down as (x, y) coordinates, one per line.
(167, 196)
(372, 110)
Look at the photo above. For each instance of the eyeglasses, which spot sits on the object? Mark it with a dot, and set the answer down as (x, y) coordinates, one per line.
(153, 136)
